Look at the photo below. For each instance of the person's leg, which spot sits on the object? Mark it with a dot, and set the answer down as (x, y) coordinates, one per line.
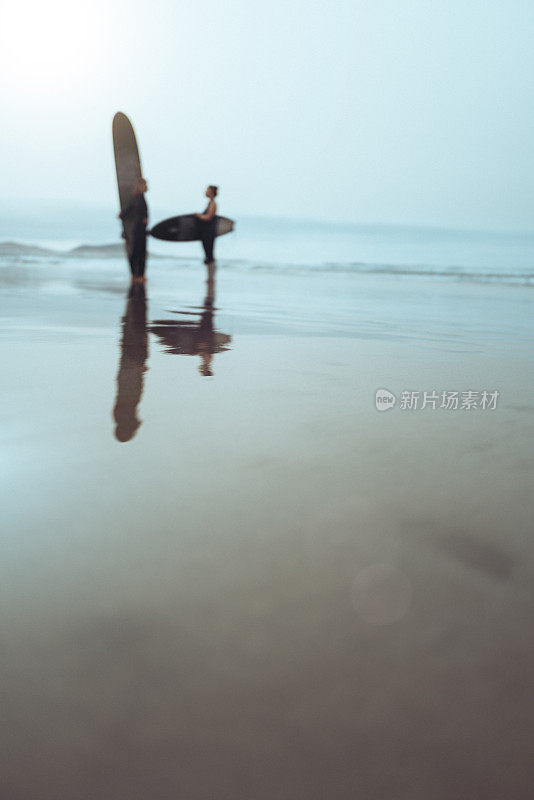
(129, 246)
(208, 248)
(139, 254)
(134, 263)
(142, 254)
(207, 244)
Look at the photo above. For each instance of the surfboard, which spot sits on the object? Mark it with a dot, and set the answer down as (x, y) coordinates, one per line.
(128, 167)
(186, 228)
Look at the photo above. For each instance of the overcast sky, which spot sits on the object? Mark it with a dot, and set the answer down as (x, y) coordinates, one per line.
(408, 111)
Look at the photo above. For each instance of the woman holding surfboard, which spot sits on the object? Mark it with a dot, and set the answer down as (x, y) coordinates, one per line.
(208, 224)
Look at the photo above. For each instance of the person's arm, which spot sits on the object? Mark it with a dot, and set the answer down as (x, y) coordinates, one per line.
(210, 213)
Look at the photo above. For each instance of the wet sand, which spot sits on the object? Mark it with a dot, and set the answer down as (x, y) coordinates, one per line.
(225, 575)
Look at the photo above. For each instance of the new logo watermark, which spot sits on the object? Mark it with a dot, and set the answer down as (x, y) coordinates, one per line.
(410, 400)
(384, 400)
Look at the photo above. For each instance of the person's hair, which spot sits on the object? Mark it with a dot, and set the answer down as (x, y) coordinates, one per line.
(214, 189)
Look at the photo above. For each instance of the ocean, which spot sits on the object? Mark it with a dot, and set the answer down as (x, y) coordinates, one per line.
(282, 246)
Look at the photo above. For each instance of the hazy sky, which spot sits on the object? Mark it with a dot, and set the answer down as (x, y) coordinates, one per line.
(409, 111)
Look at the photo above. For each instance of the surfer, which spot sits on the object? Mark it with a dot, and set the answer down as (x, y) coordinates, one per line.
(208, 224)
(135, 219)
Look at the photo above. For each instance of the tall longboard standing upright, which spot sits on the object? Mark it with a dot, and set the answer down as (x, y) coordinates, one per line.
(128, 166)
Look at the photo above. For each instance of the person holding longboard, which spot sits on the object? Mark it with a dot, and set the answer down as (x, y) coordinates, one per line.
(135, 215)
(132, 187)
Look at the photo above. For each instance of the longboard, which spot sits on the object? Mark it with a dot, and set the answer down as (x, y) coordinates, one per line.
(186, 228)
(128, 166)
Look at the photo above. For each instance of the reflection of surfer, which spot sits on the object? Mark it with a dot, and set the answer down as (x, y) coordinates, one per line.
(188, 338)
(207, 227)
(206, 342)
(132, 367)
(135, 220)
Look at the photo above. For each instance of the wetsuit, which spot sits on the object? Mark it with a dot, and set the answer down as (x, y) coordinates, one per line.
(207, 235)
(135, 230)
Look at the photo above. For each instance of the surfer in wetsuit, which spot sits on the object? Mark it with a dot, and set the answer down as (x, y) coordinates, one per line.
(208, 224)
(135, 219)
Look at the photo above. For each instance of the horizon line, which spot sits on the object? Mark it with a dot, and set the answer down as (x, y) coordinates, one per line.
(5, 203)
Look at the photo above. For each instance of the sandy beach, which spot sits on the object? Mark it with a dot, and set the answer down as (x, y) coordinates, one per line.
(268, 537)
(226, 574)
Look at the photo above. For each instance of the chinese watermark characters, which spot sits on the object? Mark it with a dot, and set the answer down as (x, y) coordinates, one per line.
(410, 400)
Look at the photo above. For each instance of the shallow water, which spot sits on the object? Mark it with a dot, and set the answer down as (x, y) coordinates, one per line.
(224, 573)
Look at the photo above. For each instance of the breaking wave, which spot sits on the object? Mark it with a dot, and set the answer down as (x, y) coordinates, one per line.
(30, 251)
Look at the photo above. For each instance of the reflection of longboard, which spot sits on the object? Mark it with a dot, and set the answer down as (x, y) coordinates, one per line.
(128, 168)
(186, 228)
